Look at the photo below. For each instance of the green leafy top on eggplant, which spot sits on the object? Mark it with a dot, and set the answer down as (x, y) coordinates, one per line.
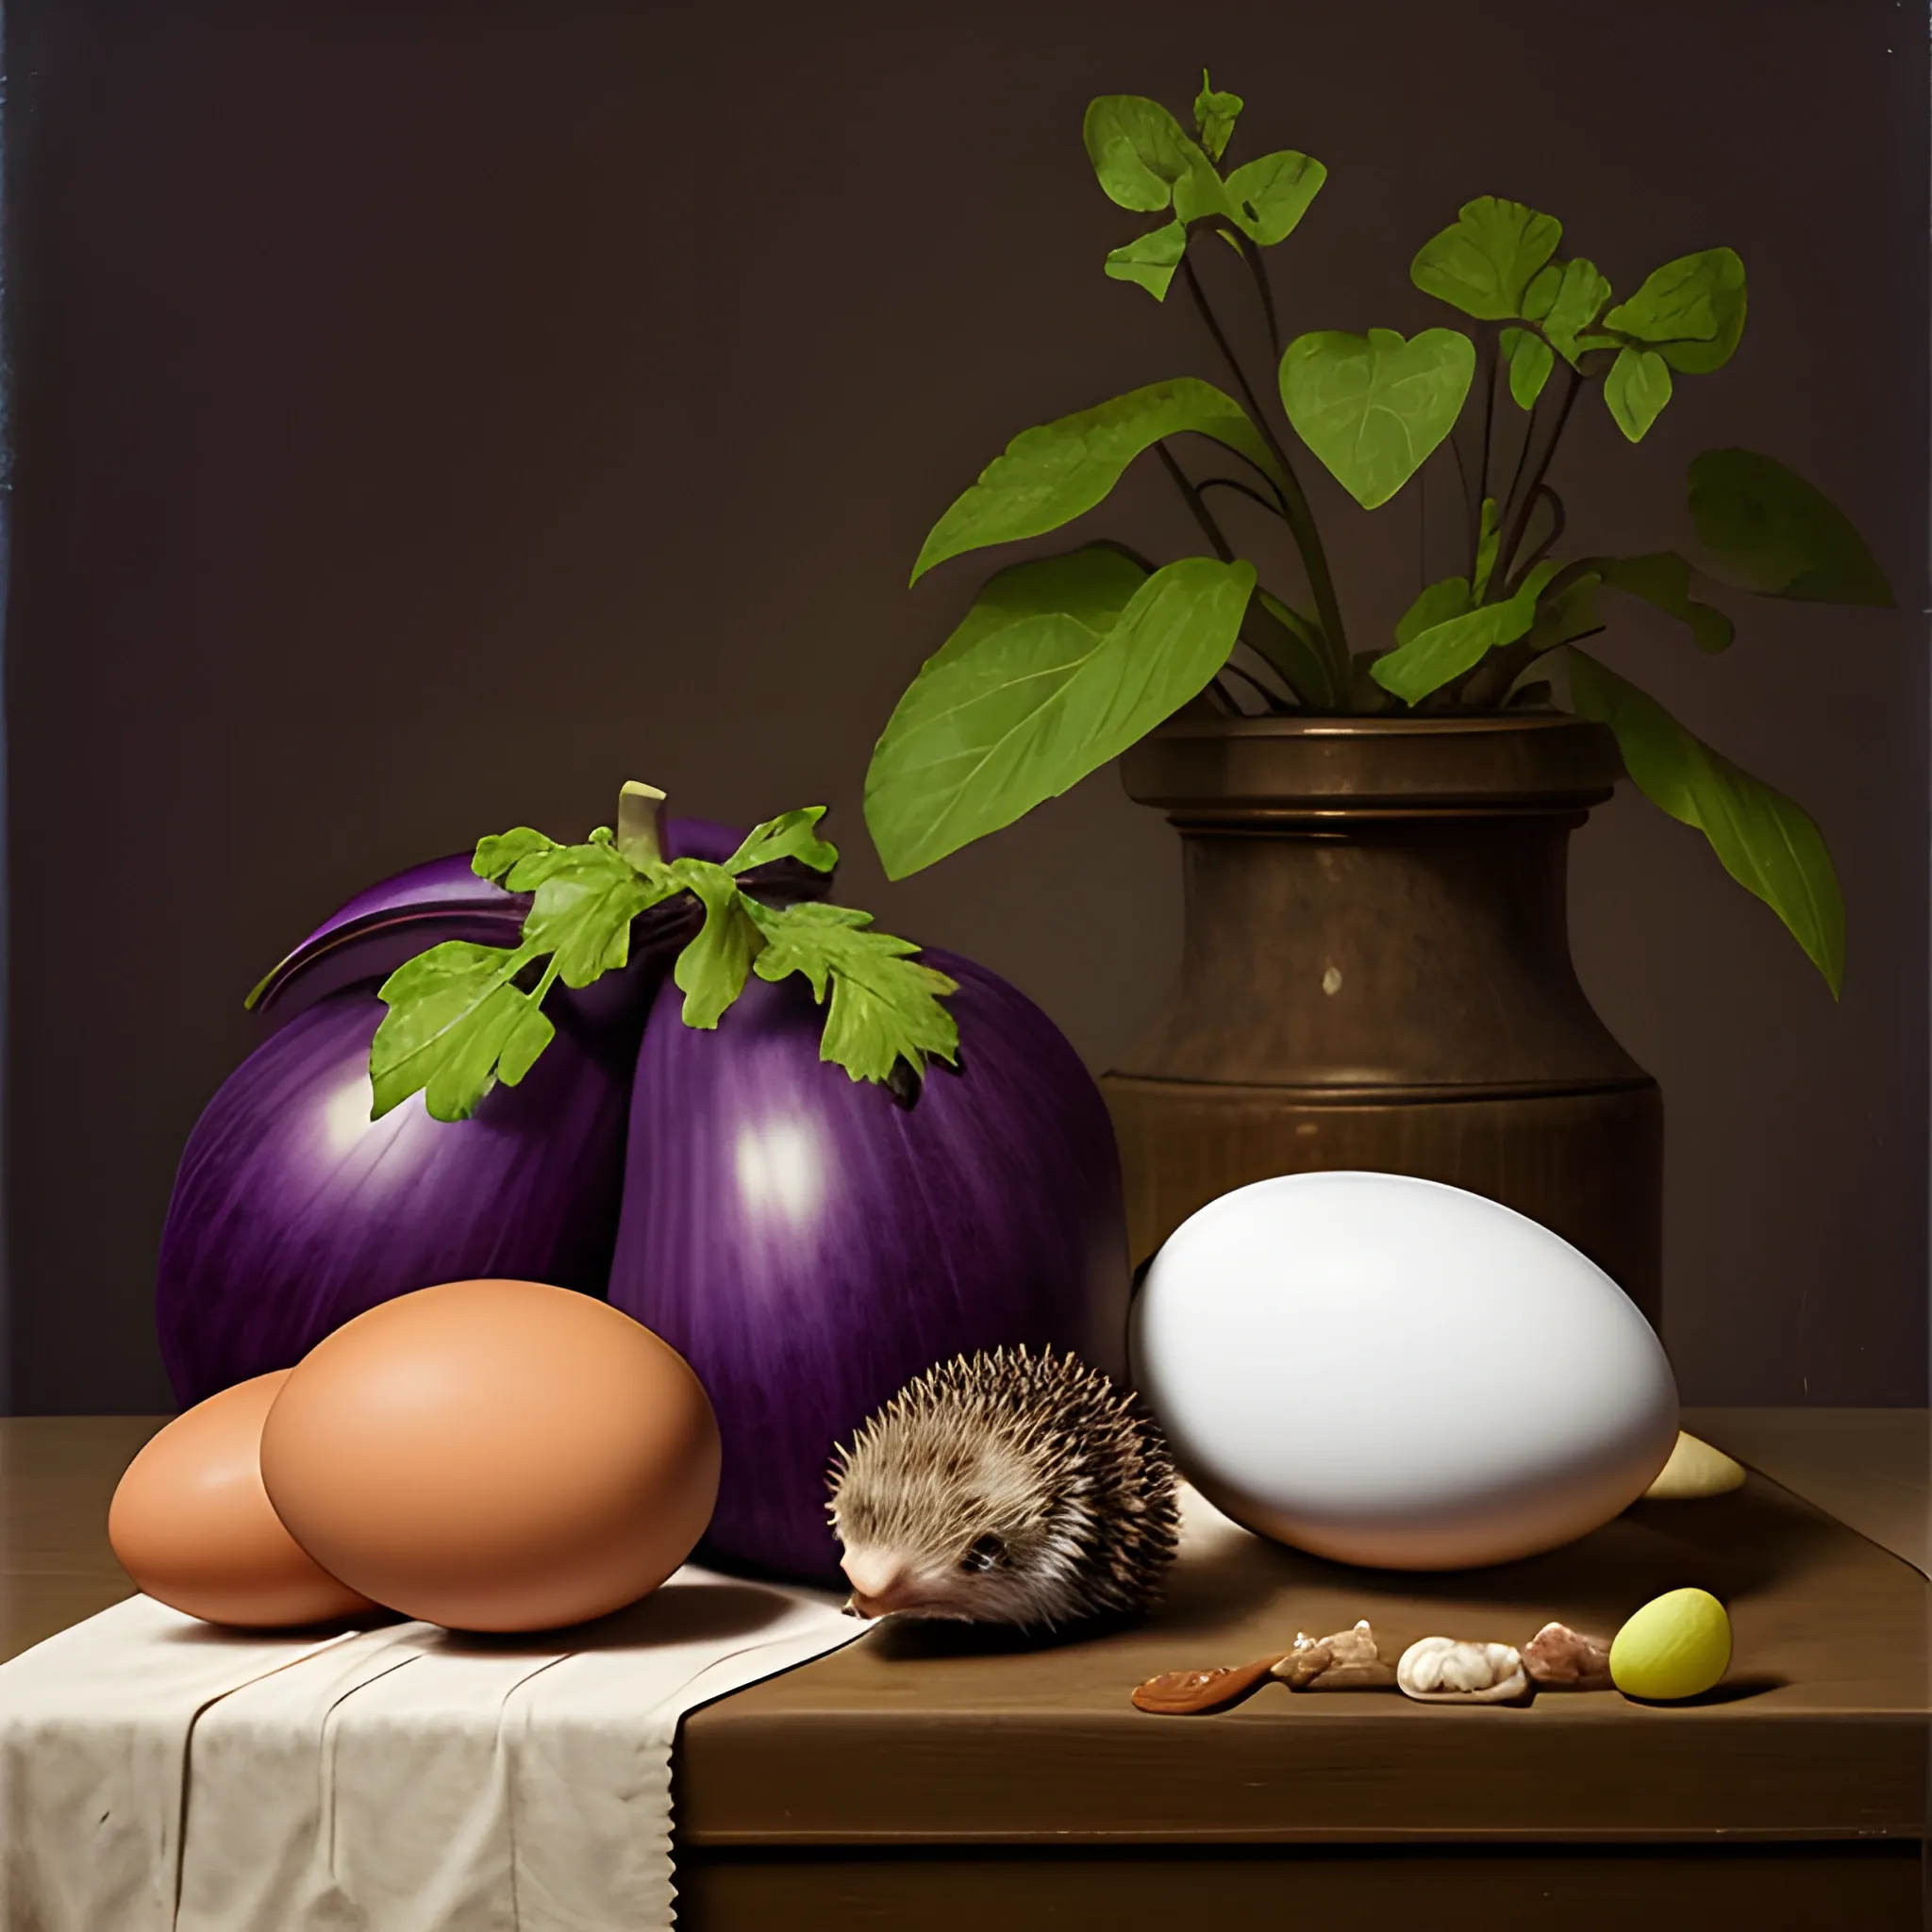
(462, 1017)
(1064, 661)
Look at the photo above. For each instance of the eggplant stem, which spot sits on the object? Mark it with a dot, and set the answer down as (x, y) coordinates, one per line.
(641, 824)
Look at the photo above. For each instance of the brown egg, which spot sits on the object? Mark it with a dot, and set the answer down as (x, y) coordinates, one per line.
(494, 1456)
(192, 1524)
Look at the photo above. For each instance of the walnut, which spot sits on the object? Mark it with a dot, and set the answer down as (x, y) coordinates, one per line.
(1347, 1660)
(1447, 1670)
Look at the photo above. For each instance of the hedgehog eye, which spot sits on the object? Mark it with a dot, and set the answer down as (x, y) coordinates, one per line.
(986, 1551)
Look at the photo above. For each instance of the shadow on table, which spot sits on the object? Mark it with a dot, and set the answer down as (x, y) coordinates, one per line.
(218, 1636)
(902, 1639)
(689, 1612)
(1735, 1546)
(685, 1614)
(1732, 1691)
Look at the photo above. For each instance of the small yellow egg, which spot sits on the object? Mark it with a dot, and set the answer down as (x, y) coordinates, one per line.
(1695, 1470)
(1677, 1645)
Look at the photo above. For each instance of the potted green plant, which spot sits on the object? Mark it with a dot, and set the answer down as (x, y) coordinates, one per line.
(1377, 968)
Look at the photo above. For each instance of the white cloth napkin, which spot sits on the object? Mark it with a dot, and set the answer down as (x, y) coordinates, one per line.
(159, 1776)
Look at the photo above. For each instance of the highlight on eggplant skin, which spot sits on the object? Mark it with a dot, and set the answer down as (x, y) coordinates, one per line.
(810, 1246)
(292, 1211)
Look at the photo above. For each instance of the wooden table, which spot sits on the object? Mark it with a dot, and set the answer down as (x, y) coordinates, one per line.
(933, 1772)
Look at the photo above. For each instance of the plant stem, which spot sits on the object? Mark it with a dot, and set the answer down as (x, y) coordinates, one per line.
(1223, 548)
(1560, 521)
(1518, 523)
(1537, 414)
(1239, 372)
(1500, 670)
(1488, 684)
(1203, 515)
(1268, 503)
(1251, 256)
(1295, 502)
(1209, 529)
(1254, 683)
(1486, 381)
(1469, 496)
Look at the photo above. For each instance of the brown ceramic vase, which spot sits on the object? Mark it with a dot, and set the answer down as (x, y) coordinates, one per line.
(1376, 974)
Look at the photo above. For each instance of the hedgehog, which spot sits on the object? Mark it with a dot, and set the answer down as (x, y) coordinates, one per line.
(1005, 1488)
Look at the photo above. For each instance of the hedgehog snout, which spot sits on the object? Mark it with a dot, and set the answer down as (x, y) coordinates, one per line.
(925, 1582)
(881, 1581)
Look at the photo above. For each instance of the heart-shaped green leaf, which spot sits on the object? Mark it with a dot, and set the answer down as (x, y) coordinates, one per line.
(1139, 150)
(1690, 311)
(1025, 699)
(1053, 474)
(1636, 390)
(1373, 407)
(1768, 530)
(1268, 197)
(1484, 261)
(1433, 656)
(1766, 842)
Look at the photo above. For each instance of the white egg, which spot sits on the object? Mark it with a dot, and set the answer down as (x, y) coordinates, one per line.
(1391, 1372)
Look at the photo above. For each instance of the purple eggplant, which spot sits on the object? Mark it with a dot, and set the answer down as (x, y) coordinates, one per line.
(809, 1245)
(293, 1212)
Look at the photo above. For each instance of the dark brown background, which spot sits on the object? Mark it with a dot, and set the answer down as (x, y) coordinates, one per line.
(429, 418)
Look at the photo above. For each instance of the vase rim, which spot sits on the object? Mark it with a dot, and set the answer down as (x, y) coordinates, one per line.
(1381, 725)
(1210, 768)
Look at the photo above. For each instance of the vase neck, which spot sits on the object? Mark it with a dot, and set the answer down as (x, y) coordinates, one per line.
(1378, 947)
